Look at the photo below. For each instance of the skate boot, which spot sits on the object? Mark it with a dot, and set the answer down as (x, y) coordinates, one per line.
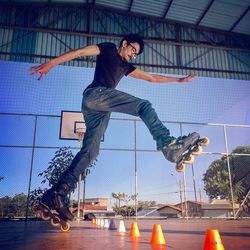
(182, 150)
(56, 199)
(175, 149)
(53, 207)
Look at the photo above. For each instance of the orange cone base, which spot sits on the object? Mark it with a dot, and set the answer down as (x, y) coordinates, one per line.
(157, 237)
(134, 231)
(213, 240)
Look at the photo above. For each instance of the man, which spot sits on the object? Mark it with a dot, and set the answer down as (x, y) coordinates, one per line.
(101, 98)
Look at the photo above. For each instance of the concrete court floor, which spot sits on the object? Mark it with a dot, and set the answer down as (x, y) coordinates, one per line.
(179, 235)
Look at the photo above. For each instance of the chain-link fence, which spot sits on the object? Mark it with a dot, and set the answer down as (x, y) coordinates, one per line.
(129, 177)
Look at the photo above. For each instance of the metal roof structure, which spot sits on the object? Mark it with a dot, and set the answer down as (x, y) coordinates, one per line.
(206, 37)
(226, 15)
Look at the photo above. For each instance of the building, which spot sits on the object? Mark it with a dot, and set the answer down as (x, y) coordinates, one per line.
(93, 207)
(193, 208)
(218, 208)
(168, 211)
(101, 202)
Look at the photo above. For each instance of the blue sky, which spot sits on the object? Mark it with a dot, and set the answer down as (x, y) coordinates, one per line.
(205, 100)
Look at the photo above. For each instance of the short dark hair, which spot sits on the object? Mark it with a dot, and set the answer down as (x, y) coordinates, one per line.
(134, 38)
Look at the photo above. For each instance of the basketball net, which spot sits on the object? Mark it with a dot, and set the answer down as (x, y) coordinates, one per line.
(80, 133)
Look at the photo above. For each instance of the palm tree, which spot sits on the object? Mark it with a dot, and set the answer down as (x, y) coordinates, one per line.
(119, 197)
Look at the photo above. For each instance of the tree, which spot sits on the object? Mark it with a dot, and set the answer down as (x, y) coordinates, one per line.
(129, 210)
(119, 197)
(19, 201)
(5, 203)
(13, 207)
(216, 178)
(36, 193)
(146, 204)
(126, 210)
(62, 159)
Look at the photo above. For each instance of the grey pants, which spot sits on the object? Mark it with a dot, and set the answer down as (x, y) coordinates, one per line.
(97, 105)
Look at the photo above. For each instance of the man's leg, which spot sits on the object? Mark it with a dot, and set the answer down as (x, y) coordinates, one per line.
(112, 100)
(96, 123)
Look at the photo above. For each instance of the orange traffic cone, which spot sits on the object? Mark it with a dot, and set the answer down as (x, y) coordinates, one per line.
(157, 236)
(213, 240)
(134, 230)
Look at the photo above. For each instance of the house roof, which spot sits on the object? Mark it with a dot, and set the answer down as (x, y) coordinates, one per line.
(171, 206)
(194, 202)
(218, 204)
(151, 210)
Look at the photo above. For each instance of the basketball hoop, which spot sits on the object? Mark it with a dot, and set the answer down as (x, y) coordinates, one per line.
(80, 133)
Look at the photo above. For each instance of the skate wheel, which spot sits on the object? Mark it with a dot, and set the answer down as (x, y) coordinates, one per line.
(197, 151)
(66, 227)
(204, 141)
(55, 222)
(189, 160)
(45, 215)
(181, 167)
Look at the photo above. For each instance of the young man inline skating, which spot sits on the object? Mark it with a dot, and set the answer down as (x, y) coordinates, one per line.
(101, 98)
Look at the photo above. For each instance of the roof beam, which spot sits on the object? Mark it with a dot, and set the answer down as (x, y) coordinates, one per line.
(205, 12)
(130, 5)
(90, 2)
(112, 36)
(240, 18)
(167, 9)
(97, 7)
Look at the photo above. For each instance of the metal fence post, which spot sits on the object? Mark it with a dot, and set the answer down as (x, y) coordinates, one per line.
(229, 170)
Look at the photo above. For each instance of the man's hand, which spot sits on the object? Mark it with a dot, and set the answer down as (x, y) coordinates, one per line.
(42, 69)
(188, 78)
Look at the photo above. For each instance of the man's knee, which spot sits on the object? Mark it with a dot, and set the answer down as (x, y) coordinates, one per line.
(88, 103)
(93, 154)
(145, 106)
(92, 150)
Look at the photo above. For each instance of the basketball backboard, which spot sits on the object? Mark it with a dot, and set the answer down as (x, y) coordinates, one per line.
(71, 123)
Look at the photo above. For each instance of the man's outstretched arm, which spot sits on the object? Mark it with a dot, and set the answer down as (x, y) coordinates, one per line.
(139, 74)
(44, 68)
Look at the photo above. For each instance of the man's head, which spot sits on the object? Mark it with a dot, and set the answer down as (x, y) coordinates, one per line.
(131, 46)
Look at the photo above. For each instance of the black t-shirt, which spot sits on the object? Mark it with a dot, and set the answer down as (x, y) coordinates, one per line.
(110, 68)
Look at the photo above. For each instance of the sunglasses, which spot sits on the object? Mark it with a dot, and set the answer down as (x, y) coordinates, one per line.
(134, 51)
